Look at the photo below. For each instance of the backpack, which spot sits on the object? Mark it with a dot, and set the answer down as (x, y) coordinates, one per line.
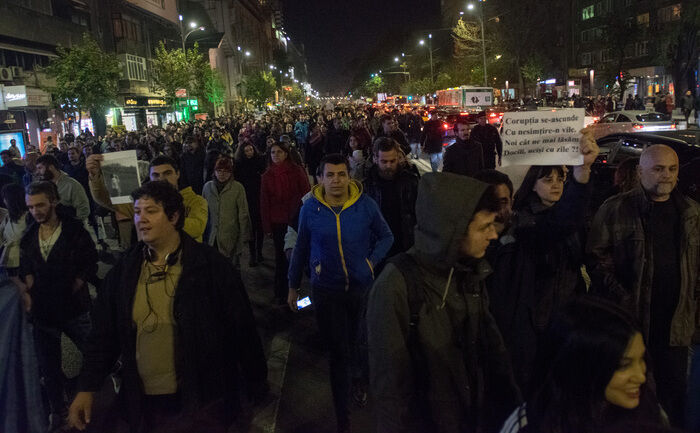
(415, 290)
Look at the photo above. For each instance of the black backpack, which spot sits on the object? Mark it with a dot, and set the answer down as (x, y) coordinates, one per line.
(415, 291)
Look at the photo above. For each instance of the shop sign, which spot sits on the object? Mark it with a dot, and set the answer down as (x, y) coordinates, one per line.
(181, 93)
(15, 96)
(160, 102)
(143, 101)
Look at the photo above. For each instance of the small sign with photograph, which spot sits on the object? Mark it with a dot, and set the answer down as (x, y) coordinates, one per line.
(121, 175)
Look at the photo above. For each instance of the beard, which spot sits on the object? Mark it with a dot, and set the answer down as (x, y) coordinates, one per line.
(47, 176)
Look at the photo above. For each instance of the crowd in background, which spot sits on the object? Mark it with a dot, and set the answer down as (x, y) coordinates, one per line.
(506, 319)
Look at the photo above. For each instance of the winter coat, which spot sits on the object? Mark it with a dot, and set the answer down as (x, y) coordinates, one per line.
(687, 102)
(341, 249)
(73, 256)
(464, 157)
(229, 222)
(217, 347)
(249, 173)
(73, 194)
(192, 169)
(537, 266)
(283, 186)
(468, 375)
(335, 141)
(407, 182)
(491, 143)
(431, 139)
(15, 171)
(301, 132)
(399, 137)
(621, 263)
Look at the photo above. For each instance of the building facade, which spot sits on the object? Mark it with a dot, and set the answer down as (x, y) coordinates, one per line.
(24, 49)
(642, 50)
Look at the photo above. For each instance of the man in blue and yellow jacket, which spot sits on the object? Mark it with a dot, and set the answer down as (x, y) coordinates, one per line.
(341, 235)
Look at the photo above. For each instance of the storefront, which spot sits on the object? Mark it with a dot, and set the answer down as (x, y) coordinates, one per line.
(646, 82)
(25, 108)
(139, 111)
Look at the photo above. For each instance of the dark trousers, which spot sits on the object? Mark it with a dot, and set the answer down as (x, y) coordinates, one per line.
(47, 343)
(693, 408)
(281, 262)
(670, 366)
(163, 414)
(339, 319)
(256, 237)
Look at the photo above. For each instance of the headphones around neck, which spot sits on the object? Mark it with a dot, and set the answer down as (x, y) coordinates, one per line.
(149, 255)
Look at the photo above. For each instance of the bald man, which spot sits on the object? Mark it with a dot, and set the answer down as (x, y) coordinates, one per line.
(644, 252)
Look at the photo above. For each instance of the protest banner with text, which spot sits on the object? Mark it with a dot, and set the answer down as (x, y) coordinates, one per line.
(542, 137)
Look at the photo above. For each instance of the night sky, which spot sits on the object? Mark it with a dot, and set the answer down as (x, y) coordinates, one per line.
(339, 35)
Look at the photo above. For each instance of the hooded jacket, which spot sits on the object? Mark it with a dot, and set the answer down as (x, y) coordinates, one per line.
(463, 350)
(341, 248)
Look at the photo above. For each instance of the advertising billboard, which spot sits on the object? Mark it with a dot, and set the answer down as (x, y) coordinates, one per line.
(7, 136)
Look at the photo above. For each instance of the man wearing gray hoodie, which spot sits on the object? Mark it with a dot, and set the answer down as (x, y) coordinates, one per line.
(437, 359)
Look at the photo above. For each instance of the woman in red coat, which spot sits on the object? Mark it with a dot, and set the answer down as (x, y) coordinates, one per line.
(284, 183)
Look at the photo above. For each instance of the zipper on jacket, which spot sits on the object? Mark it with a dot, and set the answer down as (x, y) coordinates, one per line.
(340, 249)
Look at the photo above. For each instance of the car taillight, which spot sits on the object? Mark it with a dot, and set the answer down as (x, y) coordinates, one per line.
(463, 114)
(605, 161)
(445, 125)
(596, 119)
(492, 115)
(673, 126)
(637, 126)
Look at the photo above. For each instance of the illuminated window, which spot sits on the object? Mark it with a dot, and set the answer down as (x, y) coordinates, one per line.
(643, 20)
(588, 12)
(670, 13)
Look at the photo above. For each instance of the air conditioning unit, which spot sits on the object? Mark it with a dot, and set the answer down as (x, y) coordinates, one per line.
(17, 71)
(5, 74)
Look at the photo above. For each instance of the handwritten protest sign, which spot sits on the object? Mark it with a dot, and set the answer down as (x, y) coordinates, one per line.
(542, 137)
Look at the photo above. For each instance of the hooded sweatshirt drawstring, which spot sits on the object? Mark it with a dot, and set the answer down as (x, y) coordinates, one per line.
(447, 288)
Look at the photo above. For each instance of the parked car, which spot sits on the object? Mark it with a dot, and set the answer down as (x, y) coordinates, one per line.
(631, 121)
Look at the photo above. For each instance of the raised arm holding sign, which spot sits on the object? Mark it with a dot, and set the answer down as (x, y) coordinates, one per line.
(543, 137)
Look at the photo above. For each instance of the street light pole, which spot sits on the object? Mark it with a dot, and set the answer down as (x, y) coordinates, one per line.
(430, 49)
(184, 35)
(483, 43)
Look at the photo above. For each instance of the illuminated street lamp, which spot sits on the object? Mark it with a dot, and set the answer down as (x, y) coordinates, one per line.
(184, 35)
(430, 51)
(470, 6)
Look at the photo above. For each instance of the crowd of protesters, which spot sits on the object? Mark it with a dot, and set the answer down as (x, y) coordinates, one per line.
(457, 302)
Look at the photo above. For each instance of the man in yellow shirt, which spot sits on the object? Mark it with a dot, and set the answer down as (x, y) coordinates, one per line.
(176, 312)
(161, 168)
